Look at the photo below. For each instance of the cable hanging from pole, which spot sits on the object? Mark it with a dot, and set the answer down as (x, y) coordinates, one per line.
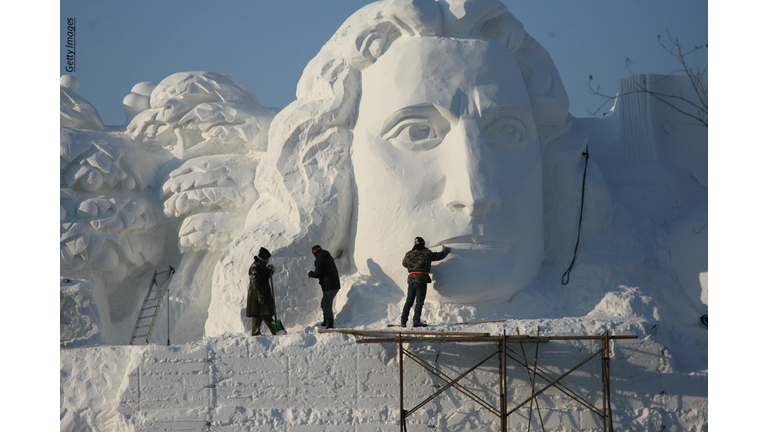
(567, 275)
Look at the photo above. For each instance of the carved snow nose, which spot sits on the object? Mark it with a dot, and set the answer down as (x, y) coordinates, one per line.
(469, 187)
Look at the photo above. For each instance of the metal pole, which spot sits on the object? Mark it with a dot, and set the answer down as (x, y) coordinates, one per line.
(605, 411)
(168, 307)
(608, 378)
(503, 383)
(533, 385)
(402, 409)
(167, 285)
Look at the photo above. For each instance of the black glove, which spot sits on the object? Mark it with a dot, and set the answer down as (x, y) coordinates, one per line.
(447, 250)
(311, 274)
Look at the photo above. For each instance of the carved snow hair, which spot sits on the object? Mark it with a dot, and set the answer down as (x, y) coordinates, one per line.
(195, 114)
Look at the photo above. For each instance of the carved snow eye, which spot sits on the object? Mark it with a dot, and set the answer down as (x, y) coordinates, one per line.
(416, 129)
(414, 134)
(506, 132)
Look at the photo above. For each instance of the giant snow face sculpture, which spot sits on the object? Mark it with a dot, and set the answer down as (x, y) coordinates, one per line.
(440, 119)
(446, 148)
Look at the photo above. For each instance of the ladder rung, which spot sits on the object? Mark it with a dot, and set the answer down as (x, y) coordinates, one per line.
(144, 326)
(140, 336)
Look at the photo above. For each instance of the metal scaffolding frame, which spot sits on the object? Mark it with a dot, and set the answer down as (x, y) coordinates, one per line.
(504, 354)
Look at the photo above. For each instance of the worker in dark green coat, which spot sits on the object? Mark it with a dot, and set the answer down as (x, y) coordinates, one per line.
(260, 304)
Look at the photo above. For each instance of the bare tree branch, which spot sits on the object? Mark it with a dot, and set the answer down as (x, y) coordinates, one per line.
(696, 109)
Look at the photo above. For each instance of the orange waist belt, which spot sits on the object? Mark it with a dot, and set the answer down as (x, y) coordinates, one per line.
(418, 272)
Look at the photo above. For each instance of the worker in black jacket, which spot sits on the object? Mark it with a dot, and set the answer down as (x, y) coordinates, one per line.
(326, 273)
(418, 261)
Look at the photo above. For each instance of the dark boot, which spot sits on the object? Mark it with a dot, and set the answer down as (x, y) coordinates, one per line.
(329, 323)
(255, 326)
(419, 323)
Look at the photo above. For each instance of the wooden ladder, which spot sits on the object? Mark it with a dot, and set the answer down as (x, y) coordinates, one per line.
(151, 306)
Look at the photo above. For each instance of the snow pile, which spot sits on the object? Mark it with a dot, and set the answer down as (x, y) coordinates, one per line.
(81, 323)
(470, 146)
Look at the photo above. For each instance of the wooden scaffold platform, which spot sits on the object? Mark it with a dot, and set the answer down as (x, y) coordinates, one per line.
(503, 411)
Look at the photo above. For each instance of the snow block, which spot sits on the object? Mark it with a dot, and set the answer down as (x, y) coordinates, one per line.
(80, 320)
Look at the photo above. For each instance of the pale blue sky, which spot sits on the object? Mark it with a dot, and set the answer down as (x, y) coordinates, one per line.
(266, 44)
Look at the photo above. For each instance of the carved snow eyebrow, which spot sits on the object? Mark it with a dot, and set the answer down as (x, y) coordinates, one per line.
(426, 110)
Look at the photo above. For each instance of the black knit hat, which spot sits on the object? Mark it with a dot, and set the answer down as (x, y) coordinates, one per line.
(419, 241)
(264, 254)
(315, 248)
